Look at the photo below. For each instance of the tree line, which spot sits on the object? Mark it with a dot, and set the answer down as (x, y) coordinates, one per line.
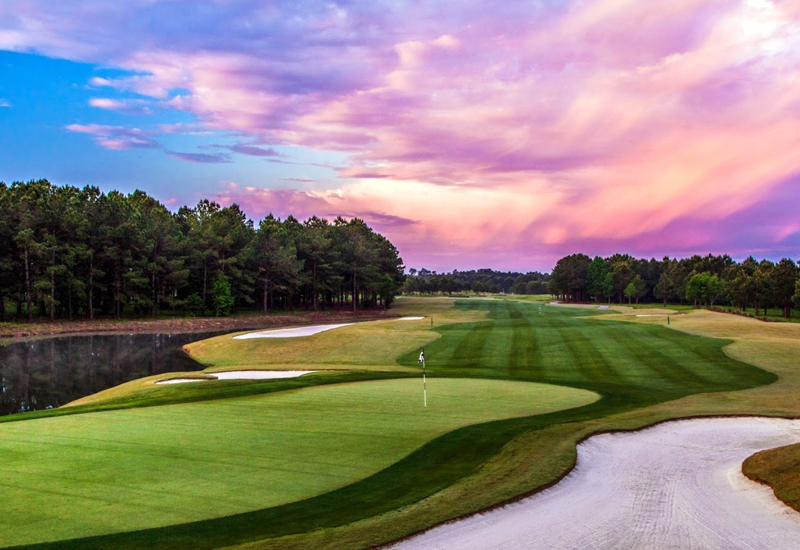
(67, 252)
(481, 280)
(700, 280)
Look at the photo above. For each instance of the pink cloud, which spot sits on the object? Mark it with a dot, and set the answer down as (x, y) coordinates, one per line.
(133, 107)
(505, 131)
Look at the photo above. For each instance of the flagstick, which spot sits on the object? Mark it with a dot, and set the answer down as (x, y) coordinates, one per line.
(424, 386)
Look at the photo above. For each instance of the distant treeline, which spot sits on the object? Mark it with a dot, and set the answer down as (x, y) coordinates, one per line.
(706, 280)
(481, 280)
(67, 252)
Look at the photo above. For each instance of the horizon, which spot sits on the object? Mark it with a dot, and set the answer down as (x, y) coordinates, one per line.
(472, 136)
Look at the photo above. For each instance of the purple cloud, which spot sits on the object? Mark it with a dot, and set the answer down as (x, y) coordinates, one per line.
(203, 158)
(251, 150)
(117, 138)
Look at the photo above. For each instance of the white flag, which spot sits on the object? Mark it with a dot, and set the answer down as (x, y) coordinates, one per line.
(421, 357)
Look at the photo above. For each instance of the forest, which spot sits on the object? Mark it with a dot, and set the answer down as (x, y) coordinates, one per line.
(424, 281)
(71, 253)
(699, 280)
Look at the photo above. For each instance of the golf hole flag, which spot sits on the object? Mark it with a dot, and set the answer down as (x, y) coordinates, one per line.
(424, 386)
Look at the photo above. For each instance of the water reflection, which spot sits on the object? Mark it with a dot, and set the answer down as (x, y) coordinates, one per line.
(48, 373)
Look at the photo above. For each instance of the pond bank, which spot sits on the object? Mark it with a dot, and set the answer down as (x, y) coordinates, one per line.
(11, 332)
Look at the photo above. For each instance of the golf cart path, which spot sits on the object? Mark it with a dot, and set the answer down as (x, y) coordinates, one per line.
(677, 486)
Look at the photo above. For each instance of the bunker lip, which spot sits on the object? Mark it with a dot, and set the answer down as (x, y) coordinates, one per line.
(298, 332)
(661, 486)
(241, 375)
(290, 332)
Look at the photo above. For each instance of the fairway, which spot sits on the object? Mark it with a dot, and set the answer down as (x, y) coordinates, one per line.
(107, 472)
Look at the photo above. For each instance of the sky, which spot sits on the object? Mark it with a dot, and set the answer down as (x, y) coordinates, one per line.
(471, 133)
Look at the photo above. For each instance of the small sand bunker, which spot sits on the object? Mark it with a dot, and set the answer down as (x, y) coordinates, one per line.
(410, 319)
(242, 375)
(289, 332)
(676, 485)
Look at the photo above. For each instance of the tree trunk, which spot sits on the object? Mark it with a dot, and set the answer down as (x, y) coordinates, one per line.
(53, 288)
(69, 299)
(28, 286)
(205, 283)
(153, 294)
(117, 290)
(355, 294)
(266, 285)
(91, 288)
(314, 284)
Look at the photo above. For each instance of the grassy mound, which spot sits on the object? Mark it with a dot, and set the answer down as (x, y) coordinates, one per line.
(780, 469)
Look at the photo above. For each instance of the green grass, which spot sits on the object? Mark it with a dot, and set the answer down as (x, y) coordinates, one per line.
(780, 469)
(646, 372)
(525, 297)
(116, 471)
(364, 346)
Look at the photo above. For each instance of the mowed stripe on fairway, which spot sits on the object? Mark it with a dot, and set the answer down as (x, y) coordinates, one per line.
(563, 345)
(114, 471)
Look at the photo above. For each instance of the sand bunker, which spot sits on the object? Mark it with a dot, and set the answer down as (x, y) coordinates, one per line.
(409, 319)
(677, 485)
(242, 375)
(289, 332)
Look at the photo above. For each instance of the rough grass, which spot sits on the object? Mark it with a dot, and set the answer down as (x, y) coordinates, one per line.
(125, 470)
(780, 469)
(364, 346)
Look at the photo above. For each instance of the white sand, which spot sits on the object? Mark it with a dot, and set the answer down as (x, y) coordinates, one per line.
(674, 486)
(410, 319)
(242, 375)
(289, 332)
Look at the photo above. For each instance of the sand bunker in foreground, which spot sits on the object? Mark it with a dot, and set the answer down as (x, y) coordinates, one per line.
(676, 485)
(289, 332)
(242, 375)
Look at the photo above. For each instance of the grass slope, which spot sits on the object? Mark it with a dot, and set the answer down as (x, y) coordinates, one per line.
(124, 470)
(780, 469)
(363, 346)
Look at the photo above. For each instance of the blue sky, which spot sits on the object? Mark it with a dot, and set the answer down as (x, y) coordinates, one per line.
(43, 97)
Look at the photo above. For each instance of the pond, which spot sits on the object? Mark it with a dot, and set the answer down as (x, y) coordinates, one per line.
(48, 373)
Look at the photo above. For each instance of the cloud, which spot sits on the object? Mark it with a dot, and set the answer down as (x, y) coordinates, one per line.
(4, 103)
(117, 138)
(516, 130)
(251, 150)
(203, 158)
(128, 106)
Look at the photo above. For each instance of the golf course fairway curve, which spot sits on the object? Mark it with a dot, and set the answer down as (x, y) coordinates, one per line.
(101, 473)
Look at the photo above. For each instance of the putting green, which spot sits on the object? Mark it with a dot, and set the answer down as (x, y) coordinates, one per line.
(107, 472)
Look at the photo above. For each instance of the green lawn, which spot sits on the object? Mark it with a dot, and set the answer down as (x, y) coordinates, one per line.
(372, 345)
(780, 469)
(645, 371)
(82, 475)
